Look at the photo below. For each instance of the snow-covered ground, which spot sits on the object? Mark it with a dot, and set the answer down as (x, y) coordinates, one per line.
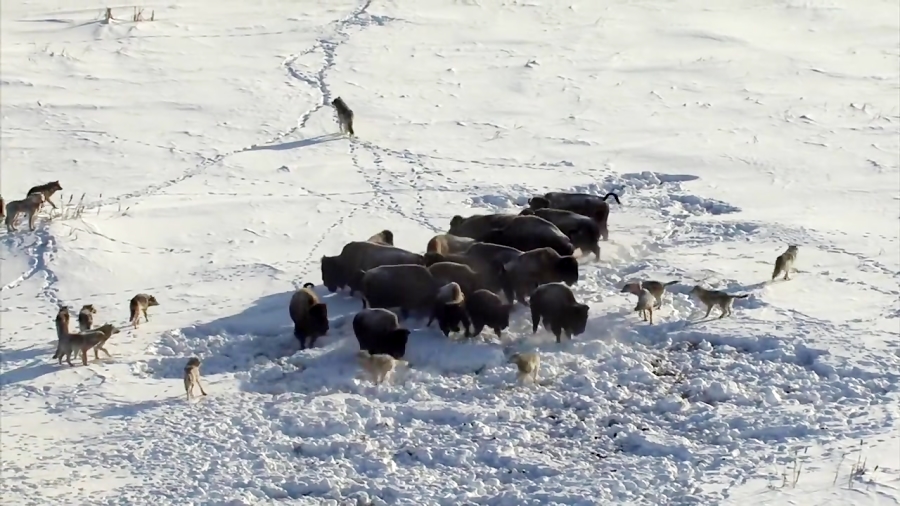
(213, 180)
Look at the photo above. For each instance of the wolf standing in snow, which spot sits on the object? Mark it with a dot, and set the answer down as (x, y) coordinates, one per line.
(785, 262)
(344, 114)
(192, 377)
(139, 304)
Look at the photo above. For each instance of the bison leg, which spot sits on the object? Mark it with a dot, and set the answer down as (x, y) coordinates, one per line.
(467, 324)
(557, 331)
(535, 319)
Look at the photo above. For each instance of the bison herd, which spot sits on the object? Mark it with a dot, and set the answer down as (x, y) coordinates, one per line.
(464, 276)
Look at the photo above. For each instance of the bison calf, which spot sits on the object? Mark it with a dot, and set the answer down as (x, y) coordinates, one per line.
(379, 332)
(450, 310)
(487, 310)
(310, 316)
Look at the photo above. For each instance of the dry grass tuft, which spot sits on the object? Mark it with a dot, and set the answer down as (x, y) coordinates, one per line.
(137, 15)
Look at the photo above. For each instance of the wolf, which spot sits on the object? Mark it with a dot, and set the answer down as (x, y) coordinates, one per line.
(379, 367)
(656, 288)
(62, 328)
(84, 341)
(645, 304)
(86, 317)
(192, 377)
(139, 304)
(344, 114)
(47, 190)
(785, 262)
(30, 206)
(528, 365)
(713, 298)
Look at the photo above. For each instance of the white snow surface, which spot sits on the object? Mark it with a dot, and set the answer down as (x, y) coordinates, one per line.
(214, 180)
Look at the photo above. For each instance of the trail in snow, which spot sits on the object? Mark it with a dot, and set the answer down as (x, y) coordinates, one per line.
(466, 108)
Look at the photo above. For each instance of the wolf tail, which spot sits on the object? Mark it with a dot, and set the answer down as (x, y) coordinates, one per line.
(613, 195)
(779, 265)
(133, 312)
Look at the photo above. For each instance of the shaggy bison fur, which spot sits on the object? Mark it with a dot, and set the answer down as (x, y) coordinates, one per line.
(378, 331)
(592, 206)
(555, 304)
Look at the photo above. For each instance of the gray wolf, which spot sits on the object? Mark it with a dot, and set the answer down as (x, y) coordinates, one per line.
(713, 298)
(84, 341)
(62, 328)
(139, 304)
(654, 287)
(344, 114)
(86, 317)
(379, 367)
(47, 190)
(645, 304)
(785, 262)
(29, 206)
(528, 365)
(192, 377)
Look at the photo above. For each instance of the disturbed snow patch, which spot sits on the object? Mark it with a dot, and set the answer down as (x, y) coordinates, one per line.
(674, 403)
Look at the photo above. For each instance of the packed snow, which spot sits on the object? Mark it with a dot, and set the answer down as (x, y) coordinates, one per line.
(206, 151)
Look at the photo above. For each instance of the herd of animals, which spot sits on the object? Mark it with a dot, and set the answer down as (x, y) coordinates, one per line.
(468, 279)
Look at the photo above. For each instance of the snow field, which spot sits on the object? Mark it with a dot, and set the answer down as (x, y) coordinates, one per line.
(729, 132)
